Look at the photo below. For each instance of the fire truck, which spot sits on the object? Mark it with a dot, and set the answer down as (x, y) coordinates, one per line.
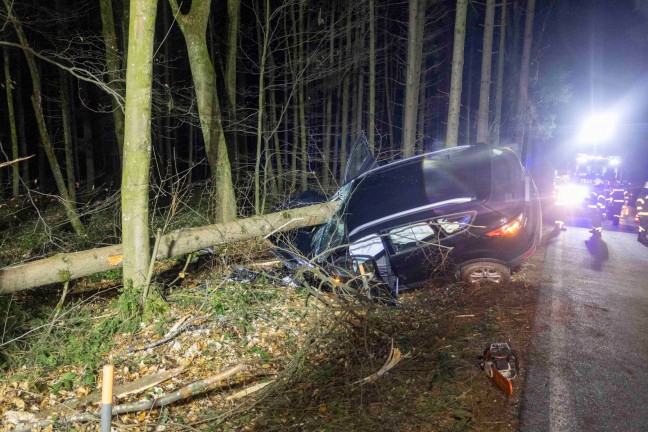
(572, 186)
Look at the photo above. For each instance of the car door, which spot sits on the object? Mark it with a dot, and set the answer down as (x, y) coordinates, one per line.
(414, 251)
(360, 159)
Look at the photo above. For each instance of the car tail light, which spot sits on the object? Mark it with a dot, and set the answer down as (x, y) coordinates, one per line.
(509, 229)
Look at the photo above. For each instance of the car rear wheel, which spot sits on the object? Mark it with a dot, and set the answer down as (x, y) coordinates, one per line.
(485, 271)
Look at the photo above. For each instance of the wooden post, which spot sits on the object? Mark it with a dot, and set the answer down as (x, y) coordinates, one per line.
(106, 397)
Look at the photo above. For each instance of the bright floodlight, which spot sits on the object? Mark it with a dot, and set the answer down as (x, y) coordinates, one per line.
(598, 127)
(615, 162)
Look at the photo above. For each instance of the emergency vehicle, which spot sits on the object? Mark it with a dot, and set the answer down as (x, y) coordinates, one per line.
(572, 186)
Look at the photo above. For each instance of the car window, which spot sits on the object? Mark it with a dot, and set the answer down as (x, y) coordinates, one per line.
(411, 235)
(507, 178)
(462, 175)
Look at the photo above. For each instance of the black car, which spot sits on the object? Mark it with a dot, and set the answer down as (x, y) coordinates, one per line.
(473, 211)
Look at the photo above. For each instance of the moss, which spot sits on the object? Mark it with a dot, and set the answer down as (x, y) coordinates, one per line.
(64, 275)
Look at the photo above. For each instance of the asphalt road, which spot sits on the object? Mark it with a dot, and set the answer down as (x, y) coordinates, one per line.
(588, 364)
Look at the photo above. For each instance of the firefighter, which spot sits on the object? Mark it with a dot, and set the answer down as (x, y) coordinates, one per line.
(642, 212)
(596, 205)
(615, 201)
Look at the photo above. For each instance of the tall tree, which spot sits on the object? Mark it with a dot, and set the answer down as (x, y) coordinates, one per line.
(454, 105)
(137, 140)
(485, 82)
(371, 123)
(264, 40)
(193, 25)
(113, 69)
(15, 174)
(523, 89)
(413, 74)
(500, 76)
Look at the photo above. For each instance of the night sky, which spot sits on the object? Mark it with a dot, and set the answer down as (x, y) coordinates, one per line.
(602, 44)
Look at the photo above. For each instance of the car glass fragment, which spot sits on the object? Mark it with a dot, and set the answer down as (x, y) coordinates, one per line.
(360, 159)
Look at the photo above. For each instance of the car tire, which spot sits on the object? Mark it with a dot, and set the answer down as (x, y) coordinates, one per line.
(485, 272)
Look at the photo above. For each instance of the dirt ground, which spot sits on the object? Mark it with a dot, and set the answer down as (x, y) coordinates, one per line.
(319, 361)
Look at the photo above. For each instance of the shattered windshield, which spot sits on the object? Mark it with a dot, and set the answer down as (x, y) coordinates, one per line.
(329, 236)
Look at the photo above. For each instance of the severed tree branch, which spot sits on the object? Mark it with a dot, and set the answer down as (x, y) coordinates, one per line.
(193, 389)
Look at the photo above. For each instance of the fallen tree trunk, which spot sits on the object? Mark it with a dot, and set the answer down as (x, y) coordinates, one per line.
(67, 266)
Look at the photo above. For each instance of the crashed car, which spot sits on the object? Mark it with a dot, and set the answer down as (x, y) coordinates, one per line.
(471, 211)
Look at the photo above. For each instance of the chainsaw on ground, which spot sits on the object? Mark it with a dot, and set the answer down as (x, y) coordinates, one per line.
(500, 364)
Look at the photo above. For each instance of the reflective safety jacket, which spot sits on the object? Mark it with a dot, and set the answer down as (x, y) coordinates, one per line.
(642, 203)
(616, 197)
(597, 198)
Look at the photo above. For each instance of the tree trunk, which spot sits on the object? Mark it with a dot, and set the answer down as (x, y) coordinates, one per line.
(68, 204)
(64, 267)
(88, 149)
(413, 78)
(389, 106)
(64, 92)
(20, 123)
(303, 183)
(452, 133)
(371, 121)
(523, 91)
(275, 126)
(233, 15)
(345, 97)
(328, 110)
(469, 92)
(194, 28)
(15, 154)
(259, 141)
(113, 67)
(420, 129)
(485, 83)
(500, 76)
(137, 140)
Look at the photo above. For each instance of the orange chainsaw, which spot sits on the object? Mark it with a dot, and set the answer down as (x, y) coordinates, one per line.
(500, 364)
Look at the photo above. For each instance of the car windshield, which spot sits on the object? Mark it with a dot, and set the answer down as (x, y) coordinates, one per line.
(328, 237)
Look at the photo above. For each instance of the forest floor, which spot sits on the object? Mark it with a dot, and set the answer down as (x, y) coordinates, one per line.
(312, 361)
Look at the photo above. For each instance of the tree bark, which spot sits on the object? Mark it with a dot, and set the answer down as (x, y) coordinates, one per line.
(303, 178)
(259, 141)
(15, 154)
(485, 83)
(452, 133)
(523, 90)
(413, 79)
(113, 68)
(328, 110)
(371, 121)
(137, 143)
(64, 92)
(500, 76)
(345, 97)
(64, 267)
(233, 14)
